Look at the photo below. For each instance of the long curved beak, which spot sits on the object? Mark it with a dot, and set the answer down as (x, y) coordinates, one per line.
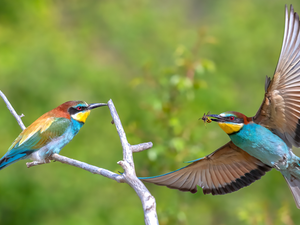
(212, 117)
(96, 105)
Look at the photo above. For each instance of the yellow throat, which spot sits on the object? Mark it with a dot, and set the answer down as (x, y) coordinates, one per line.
(231, 128)
(81, 116)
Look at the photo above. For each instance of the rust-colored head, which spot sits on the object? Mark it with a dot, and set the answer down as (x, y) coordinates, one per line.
(78, 110)
(231, 122)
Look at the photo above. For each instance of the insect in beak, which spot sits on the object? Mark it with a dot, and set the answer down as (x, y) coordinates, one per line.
(206, 119)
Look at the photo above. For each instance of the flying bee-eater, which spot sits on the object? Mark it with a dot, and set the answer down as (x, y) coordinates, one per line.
(258, 143)
(49, 133)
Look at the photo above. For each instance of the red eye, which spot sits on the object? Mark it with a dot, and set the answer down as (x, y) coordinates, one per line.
(231, 118)
(79, 108)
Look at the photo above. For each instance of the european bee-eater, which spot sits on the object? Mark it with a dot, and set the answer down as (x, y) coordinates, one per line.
(258, 143)
(49, 133)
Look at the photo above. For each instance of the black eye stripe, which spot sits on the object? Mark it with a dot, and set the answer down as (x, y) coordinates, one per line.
(234, 119)
(74, 110)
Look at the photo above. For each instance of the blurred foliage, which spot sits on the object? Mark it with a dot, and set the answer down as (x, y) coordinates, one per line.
(164, 64)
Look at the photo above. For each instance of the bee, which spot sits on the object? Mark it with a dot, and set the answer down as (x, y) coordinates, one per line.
(206, 119)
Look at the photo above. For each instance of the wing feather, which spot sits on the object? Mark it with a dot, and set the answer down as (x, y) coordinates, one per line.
(280, 110)
(226, 170)
(38, 134)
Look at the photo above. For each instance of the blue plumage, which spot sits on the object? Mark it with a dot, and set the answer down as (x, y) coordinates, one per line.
(49, 133)
(262, 144)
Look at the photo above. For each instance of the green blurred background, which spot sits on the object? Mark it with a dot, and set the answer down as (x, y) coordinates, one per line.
(164, 64)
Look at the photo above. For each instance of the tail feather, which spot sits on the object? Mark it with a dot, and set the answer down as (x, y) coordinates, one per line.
(7, 160)
(294, 185)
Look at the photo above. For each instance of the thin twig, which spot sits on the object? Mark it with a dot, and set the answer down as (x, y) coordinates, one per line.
(127, 153)
(82, 165)
(93, 169)
(141, 147)
(12, 110)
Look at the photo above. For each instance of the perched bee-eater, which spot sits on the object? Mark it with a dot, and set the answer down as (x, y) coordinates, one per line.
(258, 143)
(49, 133)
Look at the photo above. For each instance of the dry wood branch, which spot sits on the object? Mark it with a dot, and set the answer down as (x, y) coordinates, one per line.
(129, 175)
(141, 147)
(148, 201)
(12, 110)
(93, 169)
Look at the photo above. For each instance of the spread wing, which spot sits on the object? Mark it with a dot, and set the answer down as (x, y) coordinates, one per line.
(280, 110)
(224, 171)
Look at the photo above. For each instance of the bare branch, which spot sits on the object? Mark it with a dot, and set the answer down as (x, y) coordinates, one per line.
(36, 163)
(82, 165)
(127, 153)
(141, 147)
(148, 201)
(93, 169)
(12, 110)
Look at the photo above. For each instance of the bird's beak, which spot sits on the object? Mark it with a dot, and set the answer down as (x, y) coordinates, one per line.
(96, 105)
(212, 117)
